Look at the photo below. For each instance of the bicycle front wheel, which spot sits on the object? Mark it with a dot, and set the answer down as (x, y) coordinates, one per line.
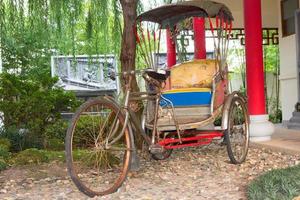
(98, 148)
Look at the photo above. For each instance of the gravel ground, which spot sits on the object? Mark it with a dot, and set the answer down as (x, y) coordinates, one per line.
(194, 173)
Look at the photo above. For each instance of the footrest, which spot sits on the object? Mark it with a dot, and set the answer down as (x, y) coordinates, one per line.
(155, 148)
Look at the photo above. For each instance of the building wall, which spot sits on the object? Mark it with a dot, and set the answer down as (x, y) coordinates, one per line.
(271, 15)
(288, 71)
(269, 12)
(236, 83)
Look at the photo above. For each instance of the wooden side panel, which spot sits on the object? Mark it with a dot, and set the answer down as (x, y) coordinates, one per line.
(220, 91)
(183, 115)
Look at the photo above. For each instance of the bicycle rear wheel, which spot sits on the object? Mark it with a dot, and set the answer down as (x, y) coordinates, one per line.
(237, 134)
(98, 148)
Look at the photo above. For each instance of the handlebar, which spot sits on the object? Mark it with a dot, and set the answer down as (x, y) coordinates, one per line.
(125, 73)
(113, 75)
(151, 80)
(146, 77)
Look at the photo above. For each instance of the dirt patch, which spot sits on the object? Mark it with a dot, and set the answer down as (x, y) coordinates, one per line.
(53, 169)
(193, 173)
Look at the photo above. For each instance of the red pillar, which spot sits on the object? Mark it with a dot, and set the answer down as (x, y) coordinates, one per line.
(171, 50)
(199, 37)
(254, 57)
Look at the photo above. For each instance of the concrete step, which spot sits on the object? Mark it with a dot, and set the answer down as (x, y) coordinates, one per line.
(294, 122)
(296, 114)
(295, 119)
(293, 125)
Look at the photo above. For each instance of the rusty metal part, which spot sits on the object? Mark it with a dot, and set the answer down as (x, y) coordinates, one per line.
(226, 107)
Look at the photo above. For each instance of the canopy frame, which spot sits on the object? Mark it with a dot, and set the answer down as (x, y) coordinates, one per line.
(169, 15)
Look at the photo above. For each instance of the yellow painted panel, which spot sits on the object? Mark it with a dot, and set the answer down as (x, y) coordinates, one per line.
(193, 74)
(187, 90)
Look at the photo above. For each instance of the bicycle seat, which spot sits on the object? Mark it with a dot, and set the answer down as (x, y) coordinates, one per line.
(160, 75)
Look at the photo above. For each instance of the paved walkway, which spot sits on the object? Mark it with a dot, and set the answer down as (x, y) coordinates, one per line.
(284, 140)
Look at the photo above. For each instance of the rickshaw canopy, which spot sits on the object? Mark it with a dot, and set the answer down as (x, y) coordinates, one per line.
(171, 14)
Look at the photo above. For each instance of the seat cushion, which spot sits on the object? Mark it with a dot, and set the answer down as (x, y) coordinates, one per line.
(193, 74)
(187, 97)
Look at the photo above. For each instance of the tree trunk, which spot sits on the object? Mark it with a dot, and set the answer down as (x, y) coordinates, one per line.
(128, 54)
(128, 46)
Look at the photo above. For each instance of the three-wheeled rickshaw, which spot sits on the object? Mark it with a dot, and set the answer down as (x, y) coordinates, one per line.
(180, 104)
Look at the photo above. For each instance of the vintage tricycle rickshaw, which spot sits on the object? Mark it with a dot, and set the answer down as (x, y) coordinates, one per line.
(100, 139)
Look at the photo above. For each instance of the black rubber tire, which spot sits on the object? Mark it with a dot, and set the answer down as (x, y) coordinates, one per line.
(83, 187)
(228, 141)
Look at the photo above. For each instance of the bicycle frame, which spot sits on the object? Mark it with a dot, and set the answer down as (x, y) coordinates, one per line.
(130, 114)
(180, 130)
(131, 118)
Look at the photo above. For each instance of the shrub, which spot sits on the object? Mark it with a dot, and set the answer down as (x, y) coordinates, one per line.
(55, 144)
(22, 138)
(31, 102)
(57, 130)
(12, 134)
(4, 153)
(218, 121)
(3, 164)
(30, 156)
(276, 116)
(55, 135)
(5, 143)
(274, 110)
(85, 126)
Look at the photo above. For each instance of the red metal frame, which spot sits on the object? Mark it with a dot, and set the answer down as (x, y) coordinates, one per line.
(171, 50)
(200, 138)
(199, 37)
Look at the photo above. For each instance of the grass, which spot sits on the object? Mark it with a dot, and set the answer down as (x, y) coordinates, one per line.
(55, 155)
(35, 157)
(29, 156)
(283, 184)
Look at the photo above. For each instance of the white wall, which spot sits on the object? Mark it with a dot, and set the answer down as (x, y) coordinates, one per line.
(270, 12)
(288, 75)
(236, 83)
(288, 68)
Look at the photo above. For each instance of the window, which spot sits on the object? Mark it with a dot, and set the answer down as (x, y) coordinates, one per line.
(288, 8)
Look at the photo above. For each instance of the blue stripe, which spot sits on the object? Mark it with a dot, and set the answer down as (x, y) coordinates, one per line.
(188, 98)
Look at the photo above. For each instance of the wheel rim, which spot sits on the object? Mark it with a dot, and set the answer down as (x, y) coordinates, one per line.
(238, 130)
(97, 166)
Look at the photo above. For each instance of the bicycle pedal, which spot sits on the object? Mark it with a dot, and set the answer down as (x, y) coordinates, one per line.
(155, 148)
